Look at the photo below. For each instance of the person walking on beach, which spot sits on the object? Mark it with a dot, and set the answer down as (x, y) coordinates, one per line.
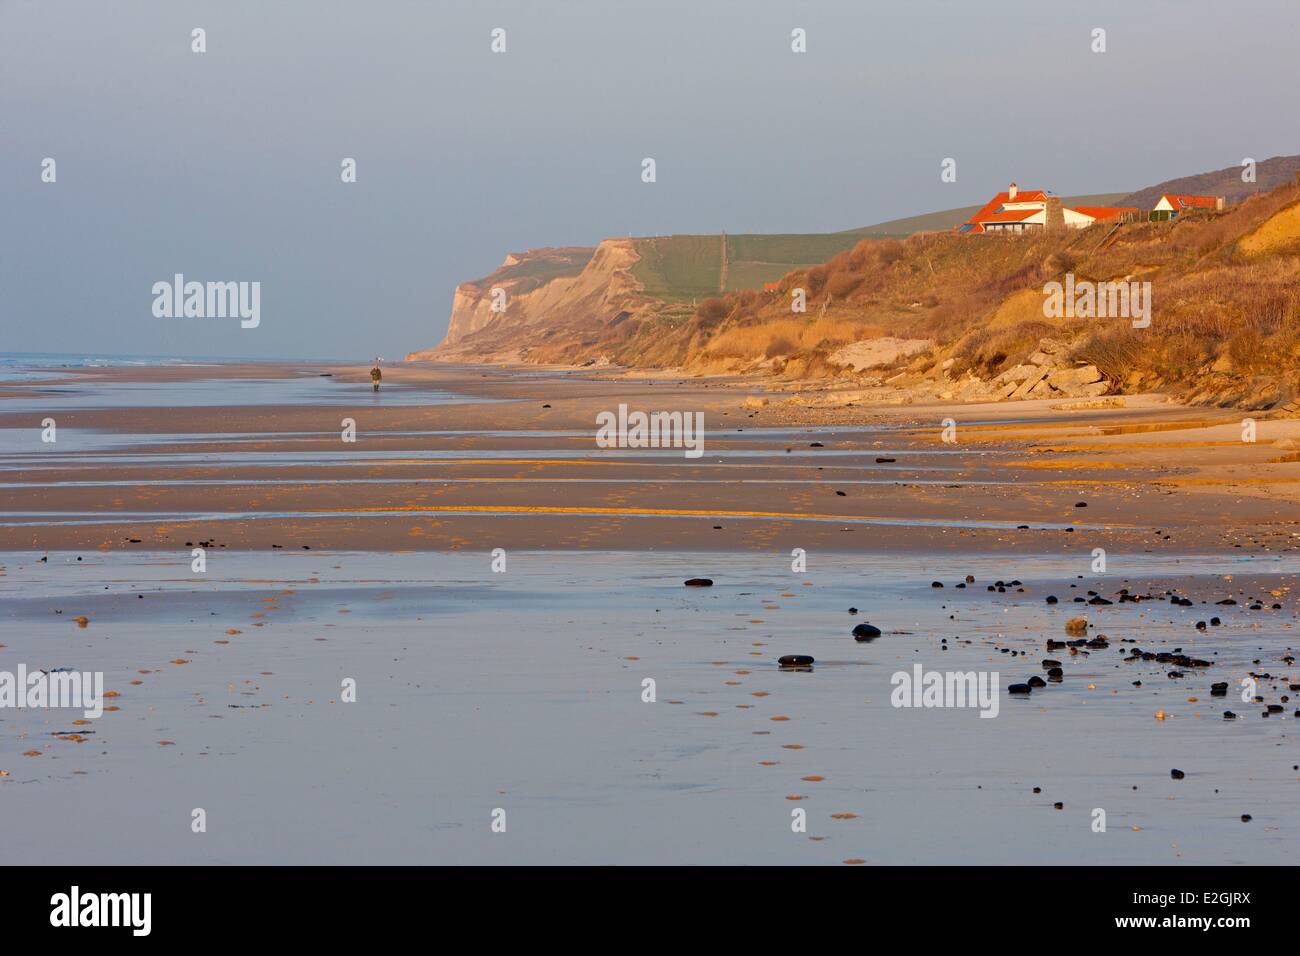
(375, 375)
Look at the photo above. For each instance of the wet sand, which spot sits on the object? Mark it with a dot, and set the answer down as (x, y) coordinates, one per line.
(522, 690)
(487, 464)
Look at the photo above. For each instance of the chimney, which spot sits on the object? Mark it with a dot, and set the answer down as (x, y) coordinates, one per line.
(1055, 217)
(1011, 193)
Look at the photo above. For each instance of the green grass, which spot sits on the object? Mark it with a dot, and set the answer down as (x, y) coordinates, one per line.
(679, 267)
(684, 268)
(798, 250)
(752, 275)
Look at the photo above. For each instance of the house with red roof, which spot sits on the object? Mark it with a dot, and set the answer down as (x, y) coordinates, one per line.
(1175, 203)
(1030, 210)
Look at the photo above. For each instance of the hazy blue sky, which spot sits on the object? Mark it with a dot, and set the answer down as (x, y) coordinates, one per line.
(225, 165)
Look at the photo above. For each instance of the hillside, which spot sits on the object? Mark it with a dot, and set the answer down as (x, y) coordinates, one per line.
(1269, 174)
(553, 298)
(963, 318)
(939, 315)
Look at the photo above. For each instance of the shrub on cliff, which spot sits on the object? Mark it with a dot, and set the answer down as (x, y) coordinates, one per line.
(815, 279)
(841, 284)
(713, 309)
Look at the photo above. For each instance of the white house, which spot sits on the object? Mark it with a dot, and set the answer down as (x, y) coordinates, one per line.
(1016, 211)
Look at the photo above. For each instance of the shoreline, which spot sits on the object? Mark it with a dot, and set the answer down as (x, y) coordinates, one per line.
(498, 589)
(496, 454)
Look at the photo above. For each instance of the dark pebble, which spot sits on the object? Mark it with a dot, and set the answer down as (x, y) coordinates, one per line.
(866, 632)
(796, 660)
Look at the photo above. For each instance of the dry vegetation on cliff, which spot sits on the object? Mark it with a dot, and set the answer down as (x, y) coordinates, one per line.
(963, 314)
(1225, 294)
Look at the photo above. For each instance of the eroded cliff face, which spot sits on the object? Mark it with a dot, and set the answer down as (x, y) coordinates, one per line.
(556, 303)
(470, 311)
(951, 317)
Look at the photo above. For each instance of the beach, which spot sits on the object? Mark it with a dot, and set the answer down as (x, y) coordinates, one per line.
(498, 588)
(443, 458)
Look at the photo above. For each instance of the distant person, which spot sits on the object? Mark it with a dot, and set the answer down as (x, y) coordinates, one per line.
(376, 376)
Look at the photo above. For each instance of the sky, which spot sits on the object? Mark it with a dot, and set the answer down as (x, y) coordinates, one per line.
(226, 165)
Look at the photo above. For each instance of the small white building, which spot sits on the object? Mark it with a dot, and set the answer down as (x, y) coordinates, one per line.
(1175, 203)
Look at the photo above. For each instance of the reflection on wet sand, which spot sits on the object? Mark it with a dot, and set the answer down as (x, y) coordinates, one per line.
(499, 591)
